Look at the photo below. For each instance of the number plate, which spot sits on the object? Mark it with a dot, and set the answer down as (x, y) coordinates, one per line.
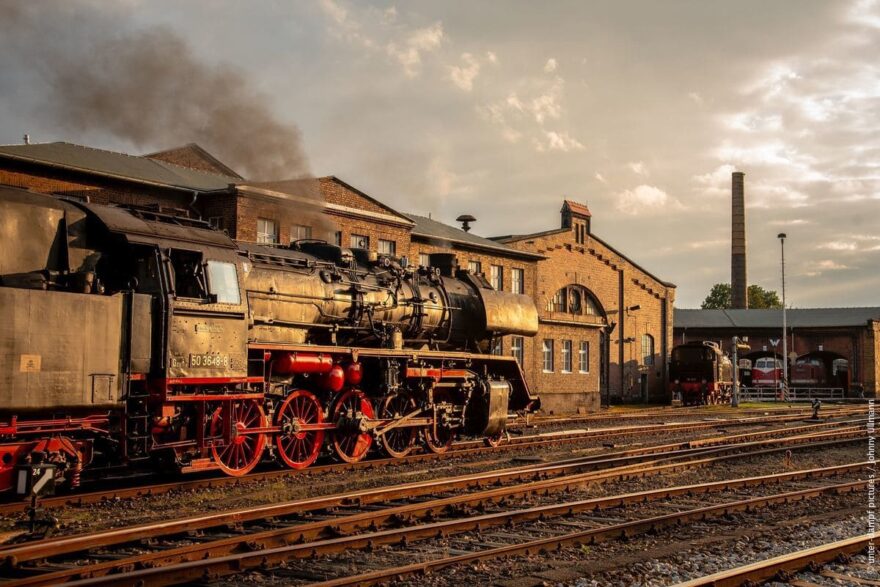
(209, 360)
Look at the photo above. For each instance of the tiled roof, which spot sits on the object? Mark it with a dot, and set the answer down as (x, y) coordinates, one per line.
(116, 165)
(430, 228)
(577, 208)
(795, 318)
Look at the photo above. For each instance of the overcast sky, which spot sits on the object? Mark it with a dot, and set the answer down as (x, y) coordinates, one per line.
(641, 109)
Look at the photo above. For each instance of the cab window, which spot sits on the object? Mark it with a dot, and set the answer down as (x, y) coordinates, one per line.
(189, 277)
(223, 282)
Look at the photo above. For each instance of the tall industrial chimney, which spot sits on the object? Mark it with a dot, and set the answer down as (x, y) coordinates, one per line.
(738, 281)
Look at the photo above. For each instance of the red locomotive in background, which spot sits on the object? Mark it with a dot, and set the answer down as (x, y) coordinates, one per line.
(131, 338)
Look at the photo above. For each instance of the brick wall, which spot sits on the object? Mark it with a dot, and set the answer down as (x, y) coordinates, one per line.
(617, 284)
(860, 345)
(95, 189)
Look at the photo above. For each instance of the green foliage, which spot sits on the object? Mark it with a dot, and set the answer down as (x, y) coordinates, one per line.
(719, 298)
(760, 298)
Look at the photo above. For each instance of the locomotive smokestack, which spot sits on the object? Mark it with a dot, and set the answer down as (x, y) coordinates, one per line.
(738, 280)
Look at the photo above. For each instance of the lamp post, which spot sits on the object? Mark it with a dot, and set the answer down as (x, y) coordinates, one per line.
(781, 237)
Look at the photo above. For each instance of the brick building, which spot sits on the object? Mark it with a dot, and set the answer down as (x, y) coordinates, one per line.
(835, 334)
(605, 322)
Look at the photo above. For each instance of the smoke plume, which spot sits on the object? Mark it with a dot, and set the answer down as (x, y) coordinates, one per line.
(146, 87)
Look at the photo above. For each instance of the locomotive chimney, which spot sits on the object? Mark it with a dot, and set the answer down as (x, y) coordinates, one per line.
(738, 281)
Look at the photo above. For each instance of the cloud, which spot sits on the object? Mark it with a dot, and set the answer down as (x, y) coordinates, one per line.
(838, 246)
(409, 53)
(529, 112)
(491, 57)
(638, 168)
(816, 268)
(558, 141)
(601, 178)
(550, 66)
(643, 198)
(695, 98)
(792, 222)
(463, 76)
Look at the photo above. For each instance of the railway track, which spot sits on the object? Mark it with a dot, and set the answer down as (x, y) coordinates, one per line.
(463, 449)
(324, 538)
(259, 530)
(786, 567)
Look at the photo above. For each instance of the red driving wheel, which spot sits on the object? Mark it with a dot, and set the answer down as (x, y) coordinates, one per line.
(350, 442)
(438, 439)
(243, 451)
(298, 445)
(398, 442)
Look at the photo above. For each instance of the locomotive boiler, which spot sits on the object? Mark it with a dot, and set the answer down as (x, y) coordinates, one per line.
(132, 338)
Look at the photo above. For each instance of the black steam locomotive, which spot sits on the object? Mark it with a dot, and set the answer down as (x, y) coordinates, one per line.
(132, 338)
(700, 373)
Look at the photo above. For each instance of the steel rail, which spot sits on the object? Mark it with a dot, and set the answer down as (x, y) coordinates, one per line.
(784, 566)
(304, 535)
(14, 555)
(462, 449)
(592, 536)
(261, 559)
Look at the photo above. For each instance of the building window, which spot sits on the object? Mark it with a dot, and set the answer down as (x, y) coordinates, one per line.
(517, 282)
(387, 247)
(566, 356)
(559, 303)
(337, 238)
(548, 355)
(424, 260)
(647, 349)
(496, 277)
(573, 299)
(360, 241)
(498, 346)
(299, 232)
(516, 348)
(475, 267)
(215, 222)
(584, 357)
(580, 233)
(267, 231)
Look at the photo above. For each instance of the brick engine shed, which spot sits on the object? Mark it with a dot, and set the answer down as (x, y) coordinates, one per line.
(605, 323)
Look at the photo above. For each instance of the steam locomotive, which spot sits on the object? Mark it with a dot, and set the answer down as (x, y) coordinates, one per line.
(132, 338)
(700, 373)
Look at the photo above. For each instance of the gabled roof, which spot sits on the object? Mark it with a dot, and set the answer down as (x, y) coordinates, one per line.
(576, 208)
(432, 229)
(115, 165)
(756, 319)
(536, 235)
(193, 156)
(386, 208)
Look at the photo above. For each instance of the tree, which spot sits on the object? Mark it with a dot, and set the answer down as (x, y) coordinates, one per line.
(760, 298)
(719, 298)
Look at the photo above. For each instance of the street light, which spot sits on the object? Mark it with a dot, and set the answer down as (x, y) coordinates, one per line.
(781, 237)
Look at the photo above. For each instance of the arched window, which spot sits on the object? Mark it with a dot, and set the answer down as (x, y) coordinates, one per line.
(647, 349)
(574, 299)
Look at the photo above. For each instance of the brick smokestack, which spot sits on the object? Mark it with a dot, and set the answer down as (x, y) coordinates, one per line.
(738, 281)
